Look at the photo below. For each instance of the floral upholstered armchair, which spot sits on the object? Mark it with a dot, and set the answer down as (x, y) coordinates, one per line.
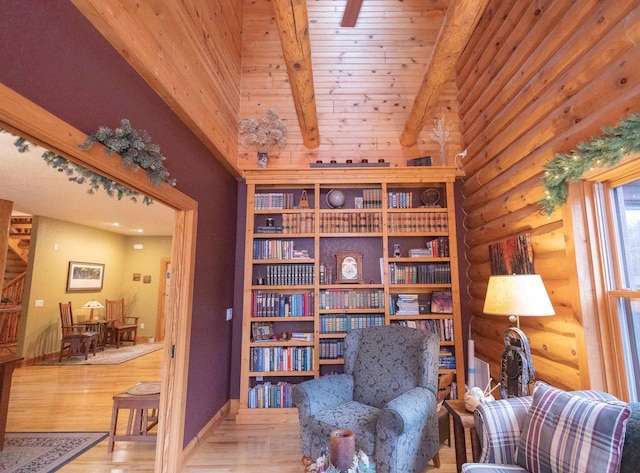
(387, 396)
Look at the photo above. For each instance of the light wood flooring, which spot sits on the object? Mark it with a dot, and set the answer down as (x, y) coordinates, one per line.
(79, 398)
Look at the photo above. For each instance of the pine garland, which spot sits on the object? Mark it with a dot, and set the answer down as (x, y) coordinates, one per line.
(135, 148)
(81, 175)
(603, 151)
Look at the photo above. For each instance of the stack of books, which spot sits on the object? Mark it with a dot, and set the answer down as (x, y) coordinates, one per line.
(420, 252)
(407, 304)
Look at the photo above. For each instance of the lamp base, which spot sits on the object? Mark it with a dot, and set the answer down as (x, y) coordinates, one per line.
(517, 371)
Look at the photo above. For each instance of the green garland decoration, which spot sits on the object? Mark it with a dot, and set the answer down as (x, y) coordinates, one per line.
(603, 151)
(81, 175)
(135, 148)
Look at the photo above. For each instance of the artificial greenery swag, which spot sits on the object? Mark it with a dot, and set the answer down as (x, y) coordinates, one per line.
(81, 175)
(603, 151)
(135, 148)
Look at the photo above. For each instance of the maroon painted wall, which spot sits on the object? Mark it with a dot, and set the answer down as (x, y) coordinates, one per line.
(52, 55)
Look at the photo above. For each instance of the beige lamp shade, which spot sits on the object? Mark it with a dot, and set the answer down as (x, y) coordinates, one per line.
(93, 304)
(517, 295)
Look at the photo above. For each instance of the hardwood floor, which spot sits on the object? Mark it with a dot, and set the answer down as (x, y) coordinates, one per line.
(79, 398)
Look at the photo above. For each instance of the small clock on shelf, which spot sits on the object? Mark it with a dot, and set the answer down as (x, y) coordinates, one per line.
(349, 267)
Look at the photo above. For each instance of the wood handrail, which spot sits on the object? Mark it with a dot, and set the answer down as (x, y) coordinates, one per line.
(13, 291)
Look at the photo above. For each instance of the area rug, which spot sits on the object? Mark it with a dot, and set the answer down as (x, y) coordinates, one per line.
(44, 452)
(109, 356)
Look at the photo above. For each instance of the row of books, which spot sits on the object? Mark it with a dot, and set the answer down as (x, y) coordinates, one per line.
(372, 198)
(444, 327)
(400, 200)
(277, 249)
(418, 222)
(331, 349)
(274, 304)
(422, 273)
(273, 201)
(447, 360)
(266, 359)
(303, 222)
(343, 323)
(268, 395)
(350, 222)
(289, 274)
(439, 247)
(352, 299)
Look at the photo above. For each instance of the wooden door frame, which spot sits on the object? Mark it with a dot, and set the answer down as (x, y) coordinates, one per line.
(23, 117)
(160, 318)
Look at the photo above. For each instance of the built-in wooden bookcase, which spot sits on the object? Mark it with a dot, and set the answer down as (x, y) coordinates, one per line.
(398, 224)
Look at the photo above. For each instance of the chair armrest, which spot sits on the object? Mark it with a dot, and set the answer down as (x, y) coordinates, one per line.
(499, 425)
(317, 395)
(407, 411)
(135, 319)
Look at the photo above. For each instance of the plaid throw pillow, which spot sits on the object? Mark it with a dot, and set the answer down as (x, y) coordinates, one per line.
(571, 433)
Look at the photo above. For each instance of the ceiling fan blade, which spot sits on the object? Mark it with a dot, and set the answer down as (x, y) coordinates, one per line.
(351, 12)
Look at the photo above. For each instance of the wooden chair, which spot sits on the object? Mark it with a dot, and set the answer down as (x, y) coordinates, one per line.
(119, 327)
(75, 337)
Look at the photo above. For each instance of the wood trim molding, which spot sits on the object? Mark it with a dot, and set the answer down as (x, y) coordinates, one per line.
(27, 119)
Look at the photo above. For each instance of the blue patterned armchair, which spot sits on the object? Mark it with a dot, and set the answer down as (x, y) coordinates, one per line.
(387, 396)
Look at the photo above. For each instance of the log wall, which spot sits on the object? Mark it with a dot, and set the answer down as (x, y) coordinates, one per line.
(539, 77)
(365, 78)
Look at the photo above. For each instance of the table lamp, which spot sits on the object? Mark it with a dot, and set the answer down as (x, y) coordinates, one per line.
(517, 295)
(92, 304)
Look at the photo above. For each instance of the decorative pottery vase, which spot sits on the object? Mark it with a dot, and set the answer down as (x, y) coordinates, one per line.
(263, 157)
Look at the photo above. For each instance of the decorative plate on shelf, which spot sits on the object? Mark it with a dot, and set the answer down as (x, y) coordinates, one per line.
(430, 197)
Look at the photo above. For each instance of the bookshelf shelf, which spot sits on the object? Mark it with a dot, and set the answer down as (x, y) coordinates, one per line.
(255, 374)
(382, 217)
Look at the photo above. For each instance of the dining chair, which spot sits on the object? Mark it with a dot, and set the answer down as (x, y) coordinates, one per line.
(119, 325)
(75, 337)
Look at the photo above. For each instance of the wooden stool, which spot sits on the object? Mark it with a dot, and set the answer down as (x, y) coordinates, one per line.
(143, 401)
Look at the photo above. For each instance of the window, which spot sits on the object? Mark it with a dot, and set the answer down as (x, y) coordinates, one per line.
(618, 219)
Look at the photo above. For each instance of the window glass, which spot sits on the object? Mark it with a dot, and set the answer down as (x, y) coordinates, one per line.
(623, 270)
(626, 199)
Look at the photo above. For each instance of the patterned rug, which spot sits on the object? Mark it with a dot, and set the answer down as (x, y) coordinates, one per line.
(109, 356)
(44, 452)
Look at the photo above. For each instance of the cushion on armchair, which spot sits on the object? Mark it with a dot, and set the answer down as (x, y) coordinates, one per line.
(572, 433)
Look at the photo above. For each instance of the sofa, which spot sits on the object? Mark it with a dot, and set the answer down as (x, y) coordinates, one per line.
(387, 396)
(559, 432)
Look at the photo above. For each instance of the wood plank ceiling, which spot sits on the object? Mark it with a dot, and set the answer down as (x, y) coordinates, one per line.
(148, 39)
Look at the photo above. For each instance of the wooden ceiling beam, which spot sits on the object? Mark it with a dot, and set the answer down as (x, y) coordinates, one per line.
(292, 22)
(351, 12)
(459, 22)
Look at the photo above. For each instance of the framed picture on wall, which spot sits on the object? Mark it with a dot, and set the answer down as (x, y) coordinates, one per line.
(85, 276)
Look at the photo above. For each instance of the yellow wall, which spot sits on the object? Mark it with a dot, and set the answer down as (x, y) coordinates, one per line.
(54, 243)
(146, 262)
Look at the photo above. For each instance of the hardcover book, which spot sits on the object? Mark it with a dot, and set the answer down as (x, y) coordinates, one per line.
(441, 302)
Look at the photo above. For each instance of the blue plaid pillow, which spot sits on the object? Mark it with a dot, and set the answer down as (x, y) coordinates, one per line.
(570, 433)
